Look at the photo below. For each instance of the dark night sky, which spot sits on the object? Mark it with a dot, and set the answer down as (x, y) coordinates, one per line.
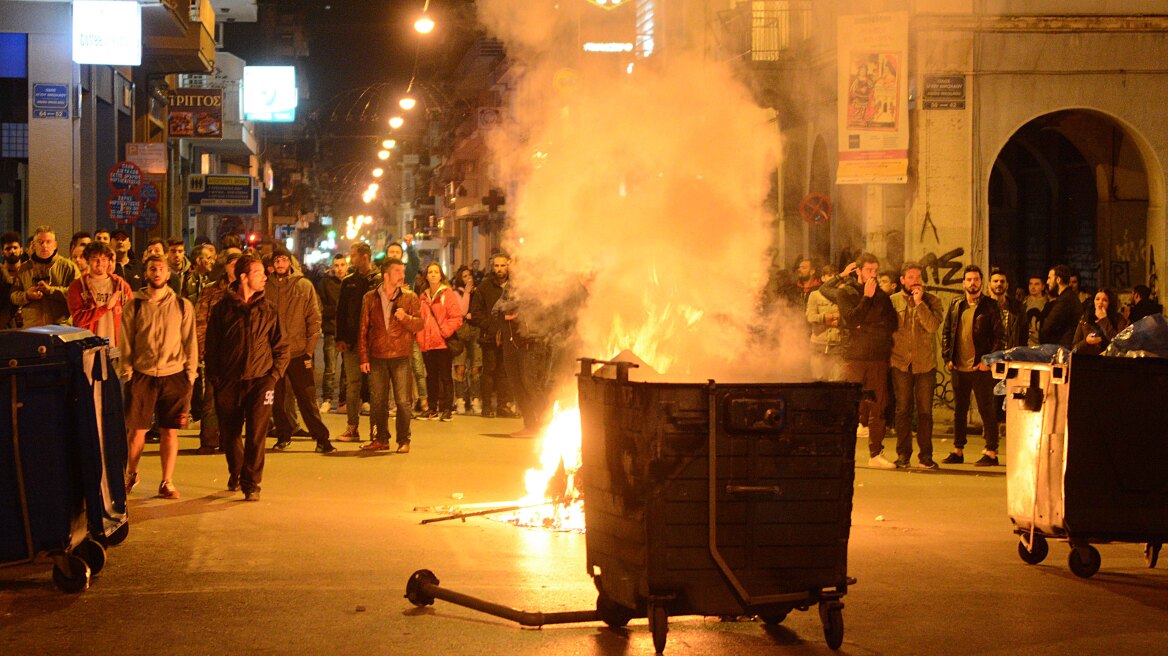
(353, 43)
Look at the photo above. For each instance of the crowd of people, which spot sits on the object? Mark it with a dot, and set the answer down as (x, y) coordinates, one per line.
(227, 337)
(880, 328)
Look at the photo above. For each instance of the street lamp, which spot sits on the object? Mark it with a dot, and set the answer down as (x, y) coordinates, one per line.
(424, 25)
(396, 122)
(383, 155)
(378, 172)
(407, 103)
(388, 144)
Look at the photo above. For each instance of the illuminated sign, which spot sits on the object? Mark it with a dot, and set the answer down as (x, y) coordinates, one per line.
(269, 93)
(608, 4)
(608, 47)
(195, 114)
(107, 32)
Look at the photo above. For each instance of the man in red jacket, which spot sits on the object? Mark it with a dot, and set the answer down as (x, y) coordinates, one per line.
(391, 314)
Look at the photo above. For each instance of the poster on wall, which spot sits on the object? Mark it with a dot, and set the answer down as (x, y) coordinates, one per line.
(873, 99)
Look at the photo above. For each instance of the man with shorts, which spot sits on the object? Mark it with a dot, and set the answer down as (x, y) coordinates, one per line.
(160, 359)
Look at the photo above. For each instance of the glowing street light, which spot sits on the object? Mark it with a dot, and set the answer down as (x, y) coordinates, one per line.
(396, 122)
(383, 155)
(424, 25)
(378, 172)
(388, 144)
(407, 103)
(373, 186)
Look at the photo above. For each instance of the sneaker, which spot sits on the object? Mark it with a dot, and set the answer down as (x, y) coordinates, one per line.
(131, 482)
(283, 444)
(365, 408)
(324, 407)
(232, 483)
(393, 411)
(954, 459)
(861, 431)
(403, 448)
(254, 495)
(153, 436)
(342, 409)
(351, 434)
(878, 461)
(375, 445)
(987, 461)
(903, 462)
(207, 450)
(325, 447)
(460, 406)
(476, 406)
(167, 490)
(445, 416)
(487, 414)
(926, 463)
(506, 413)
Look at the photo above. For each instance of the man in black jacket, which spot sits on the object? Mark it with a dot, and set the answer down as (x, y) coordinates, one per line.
(973, 328)
(482, 302)
(246, 357)
(363, 278)
(1143, 305)
(1013, 319)
(867, 313)
(1061, 316)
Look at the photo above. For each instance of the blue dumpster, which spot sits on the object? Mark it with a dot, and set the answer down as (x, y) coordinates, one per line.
(62, 451)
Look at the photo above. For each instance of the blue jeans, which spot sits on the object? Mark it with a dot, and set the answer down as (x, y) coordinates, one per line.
(384, 373)
(354, 378)
(329, 383)
(419, 367)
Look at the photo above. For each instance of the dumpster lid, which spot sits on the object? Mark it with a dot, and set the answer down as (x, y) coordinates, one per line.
(24, 342)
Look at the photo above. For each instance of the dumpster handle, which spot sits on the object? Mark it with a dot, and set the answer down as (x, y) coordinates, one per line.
(740, 591)
(20, 470)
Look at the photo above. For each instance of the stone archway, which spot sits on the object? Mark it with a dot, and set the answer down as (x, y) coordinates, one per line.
(1071, 187)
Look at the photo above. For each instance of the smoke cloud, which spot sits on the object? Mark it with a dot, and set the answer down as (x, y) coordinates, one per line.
(636, 200)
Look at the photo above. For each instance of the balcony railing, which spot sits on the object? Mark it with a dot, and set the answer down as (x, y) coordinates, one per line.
(766, 30)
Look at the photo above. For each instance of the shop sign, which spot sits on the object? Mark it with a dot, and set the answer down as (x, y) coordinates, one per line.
(195, 114)
(107, 32)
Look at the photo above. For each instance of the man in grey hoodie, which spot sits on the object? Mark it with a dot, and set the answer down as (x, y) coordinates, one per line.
(160, 360)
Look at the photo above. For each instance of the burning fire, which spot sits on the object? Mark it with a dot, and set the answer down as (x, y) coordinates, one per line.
(553, 492)
(553, 495)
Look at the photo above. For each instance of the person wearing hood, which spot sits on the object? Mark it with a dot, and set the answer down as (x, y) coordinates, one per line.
(246, 357)
(298, 308)
(40, 287)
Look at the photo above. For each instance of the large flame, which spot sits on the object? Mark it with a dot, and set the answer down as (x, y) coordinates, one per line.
(647, 340)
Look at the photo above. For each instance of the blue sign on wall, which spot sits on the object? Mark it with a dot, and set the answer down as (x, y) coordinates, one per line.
(13, 55)
(50, 100)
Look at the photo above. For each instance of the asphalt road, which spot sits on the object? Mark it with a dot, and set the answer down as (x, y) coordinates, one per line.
(320, 565)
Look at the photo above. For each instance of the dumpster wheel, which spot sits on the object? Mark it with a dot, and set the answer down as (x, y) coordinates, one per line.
(71, 574)
(659, 625)
(831, 613)
(1036, 552)
(1084, 561)
(93, 554)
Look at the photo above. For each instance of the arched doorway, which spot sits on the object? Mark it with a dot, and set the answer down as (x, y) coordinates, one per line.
(1070, 187)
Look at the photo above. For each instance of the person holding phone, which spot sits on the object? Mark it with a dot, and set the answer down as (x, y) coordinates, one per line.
(40, 287)
(1099, 326)
(867, 315)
